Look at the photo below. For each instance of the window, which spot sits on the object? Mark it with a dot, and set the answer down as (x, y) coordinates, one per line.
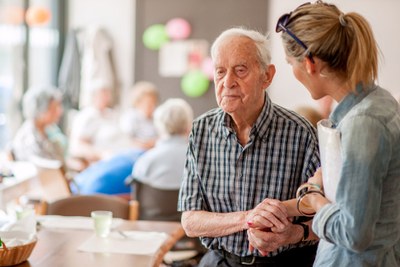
(29, 55)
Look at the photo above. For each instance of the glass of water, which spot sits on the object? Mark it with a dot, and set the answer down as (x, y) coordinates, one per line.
(102, 222)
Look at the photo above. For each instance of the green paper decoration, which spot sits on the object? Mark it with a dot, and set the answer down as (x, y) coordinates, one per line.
(155, 36)
(195, 83)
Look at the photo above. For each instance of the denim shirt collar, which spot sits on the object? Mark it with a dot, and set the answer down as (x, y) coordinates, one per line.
(349, 101)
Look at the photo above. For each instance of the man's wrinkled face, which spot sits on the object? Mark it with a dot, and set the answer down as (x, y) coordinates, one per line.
(239, 80)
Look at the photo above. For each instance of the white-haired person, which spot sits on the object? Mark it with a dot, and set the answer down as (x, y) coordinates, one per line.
(39, 135)
(247, 152)
(162, 166)
(137, 120)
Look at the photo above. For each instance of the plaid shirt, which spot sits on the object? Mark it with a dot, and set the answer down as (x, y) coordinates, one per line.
(282, 153)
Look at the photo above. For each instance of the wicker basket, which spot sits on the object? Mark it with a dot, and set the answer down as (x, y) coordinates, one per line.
(16, 255)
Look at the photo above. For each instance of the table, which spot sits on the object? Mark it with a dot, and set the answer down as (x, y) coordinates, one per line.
(24, 181)
(58, 247)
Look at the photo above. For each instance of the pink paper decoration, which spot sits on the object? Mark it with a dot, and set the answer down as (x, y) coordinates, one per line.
(178, 29)
(207, 67)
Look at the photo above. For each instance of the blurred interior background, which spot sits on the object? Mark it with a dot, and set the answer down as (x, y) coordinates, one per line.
(35, 36)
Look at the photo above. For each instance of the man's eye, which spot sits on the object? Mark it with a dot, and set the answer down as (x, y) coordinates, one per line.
(241, 71)
(219, 73)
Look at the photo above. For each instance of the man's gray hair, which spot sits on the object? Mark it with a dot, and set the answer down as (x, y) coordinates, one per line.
(173, 117)
(37, 99)
(261, 42)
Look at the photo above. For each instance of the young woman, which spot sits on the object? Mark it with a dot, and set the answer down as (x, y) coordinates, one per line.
(335, 54)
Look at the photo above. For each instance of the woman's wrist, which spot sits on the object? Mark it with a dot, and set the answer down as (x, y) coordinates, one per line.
(305, 204)
(290, 206)
(316, 201)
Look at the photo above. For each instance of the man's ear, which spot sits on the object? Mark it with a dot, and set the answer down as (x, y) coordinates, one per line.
(310, 65)
(269, 74)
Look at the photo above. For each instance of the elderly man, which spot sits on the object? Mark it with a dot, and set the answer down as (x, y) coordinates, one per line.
(241, 157)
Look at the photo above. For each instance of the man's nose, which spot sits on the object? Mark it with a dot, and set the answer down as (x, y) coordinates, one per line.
(230, 80)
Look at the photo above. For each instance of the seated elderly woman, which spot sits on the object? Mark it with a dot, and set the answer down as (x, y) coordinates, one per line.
(162, 166)
(39, 135)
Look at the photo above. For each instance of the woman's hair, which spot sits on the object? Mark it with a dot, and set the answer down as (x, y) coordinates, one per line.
(36, 100)
(345, 42)
(261, 42)
(173, 117)
(142, 89)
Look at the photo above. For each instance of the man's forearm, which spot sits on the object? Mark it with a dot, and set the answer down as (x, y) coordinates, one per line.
(212, 224)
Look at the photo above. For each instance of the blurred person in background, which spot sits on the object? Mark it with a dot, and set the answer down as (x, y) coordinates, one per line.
(137, 120)
(39, 135)
(162, 166)
(95, 133)
(310, 113)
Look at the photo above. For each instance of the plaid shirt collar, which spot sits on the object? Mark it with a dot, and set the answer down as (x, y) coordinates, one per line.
(261, 125)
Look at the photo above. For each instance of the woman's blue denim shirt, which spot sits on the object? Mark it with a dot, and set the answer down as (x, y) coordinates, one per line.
(362, 228)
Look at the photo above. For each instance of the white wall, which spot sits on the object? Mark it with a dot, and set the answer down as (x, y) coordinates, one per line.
(117, 17)
(382, 16)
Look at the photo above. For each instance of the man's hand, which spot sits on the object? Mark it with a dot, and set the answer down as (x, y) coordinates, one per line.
(267, 241)
(269, 214)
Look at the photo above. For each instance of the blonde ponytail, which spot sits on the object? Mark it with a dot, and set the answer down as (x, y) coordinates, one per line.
(345, 42)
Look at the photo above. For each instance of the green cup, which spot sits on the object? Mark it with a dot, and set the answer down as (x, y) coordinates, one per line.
(102, 222)
(22, 212)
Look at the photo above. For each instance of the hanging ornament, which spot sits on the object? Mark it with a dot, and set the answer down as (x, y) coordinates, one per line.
(155, 36)
(195, 83)
(178, 29)
(207, 66)
(37, 15)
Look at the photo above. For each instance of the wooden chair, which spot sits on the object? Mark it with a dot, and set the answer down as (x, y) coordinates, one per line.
(52, 180)
(51, 183)
(54, 183)
(156, 204)
(83, 205)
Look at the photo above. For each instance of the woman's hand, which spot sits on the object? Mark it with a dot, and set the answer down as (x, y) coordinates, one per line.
(317, 178)
(269, 215)
(315, 201)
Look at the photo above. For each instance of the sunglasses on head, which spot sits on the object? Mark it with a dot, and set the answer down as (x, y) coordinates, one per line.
(281, 26)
